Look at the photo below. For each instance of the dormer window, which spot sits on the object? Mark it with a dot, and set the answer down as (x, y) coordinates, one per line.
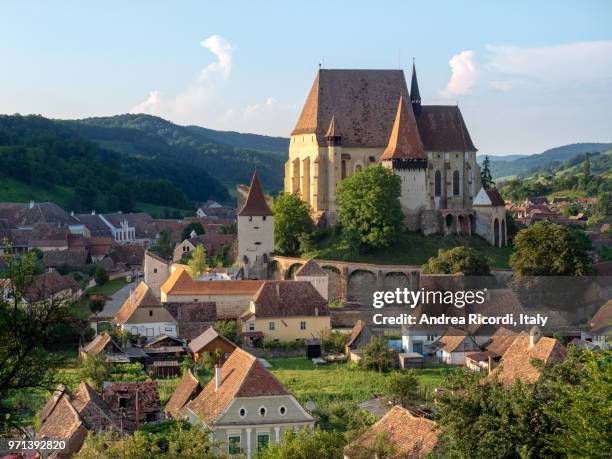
(262, 411)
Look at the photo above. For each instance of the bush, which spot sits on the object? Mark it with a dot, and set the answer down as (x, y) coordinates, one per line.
(100, 276)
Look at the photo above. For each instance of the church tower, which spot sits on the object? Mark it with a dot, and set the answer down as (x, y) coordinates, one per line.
(405, 156)
(415, 95)
(255, 232)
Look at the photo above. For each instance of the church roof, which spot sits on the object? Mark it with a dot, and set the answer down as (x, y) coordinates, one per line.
(255, 203)
(415, 95)
(363, 102)
(442, 129)
(405, 142)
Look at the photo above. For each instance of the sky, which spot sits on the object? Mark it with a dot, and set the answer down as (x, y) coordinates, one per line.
(527, 75)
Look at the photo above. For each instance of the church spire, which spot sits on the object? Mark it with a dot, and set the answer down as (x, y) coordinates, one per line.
(255, 203)
(405, 141)
(415, 95)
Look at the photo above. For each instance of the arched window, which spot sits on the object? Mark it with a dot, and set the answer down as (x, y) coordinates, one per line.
(456, 183)
(438, 183)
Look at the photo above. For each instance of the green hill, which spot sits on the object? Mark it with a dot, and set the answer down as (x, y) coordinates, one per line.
(43, 159)
(523, 166)
(223, 155)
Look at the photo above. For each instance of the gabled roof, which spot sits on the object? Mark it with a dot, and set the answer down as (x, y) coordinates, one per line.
(142, 296)
(49, 284)
(602, 318)
(489, 198)
(413, 437)
(90, 405)
(501, 340)
(255, 203)
(442, 129)
(451, 340)
(187, 389)
(192, 317)
(97, 345)
(310, 269)
(57, 258)
(355, 332)
(181, 283)
(289, 299)
(206, 338)
(404, 142)
(516, 361)
(242, 375)
(364, 103)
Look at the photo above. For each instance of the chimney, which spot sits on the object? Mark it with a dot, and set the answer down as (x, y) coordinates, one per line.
(534, 336)
(217, 376)
(31, 204)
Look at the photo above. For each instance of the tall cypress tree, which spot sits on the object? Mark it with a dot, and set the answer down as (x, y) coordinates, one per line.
(486, 180)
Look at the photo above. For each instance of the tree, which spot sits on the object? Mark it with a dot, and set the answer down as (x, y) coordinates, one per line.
(27, 330)
(100, 275)
(96, 303)
(457, 260)
(165, 245)
(292, 218)
(486, 179)
(198, 263)
(402, 389)
(193, 226)
(369, 210)
(376, 354)
(332, 341)
(604, 205)
(304, 445)
(230, 329)
(95, 369)
(550, 249)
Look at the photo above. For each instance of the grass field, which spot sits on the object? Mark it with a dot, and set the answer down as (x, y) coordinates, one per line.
(109, 288)
(411, 249)
(343, 382)
(12, 190)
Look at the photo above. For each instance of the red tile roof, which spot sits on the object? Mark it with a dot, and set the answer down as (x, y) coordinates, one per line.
(181, 283)
(255, 204)
(405, 141)
(186, 390)
(602, 318)
(142, 296)
(205, 338)
(289, 299)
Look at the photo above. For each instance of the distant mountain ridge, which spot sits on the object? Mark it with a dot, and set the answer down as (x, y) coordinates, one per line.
(522, 166)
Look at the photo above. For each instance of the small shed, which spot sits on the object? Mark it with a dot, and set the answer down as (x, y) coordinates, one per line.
(164, 369)
(313, 348)
(411, 360)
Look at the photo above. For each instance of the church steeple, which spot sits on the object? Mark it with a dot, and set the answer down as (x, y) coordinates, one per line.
(405, 142)
(415, 95)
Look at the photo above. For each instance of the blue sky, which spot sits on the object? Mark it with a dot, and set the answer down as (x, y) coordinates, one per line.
(527, 75)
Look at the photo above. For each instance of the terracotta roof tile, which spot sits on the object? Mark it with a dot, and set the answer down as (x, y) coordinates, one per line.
(412, 437)
(404, 142)
(255, 204)
(242, 376)
(186, 390)
(192, 317)
(49, 284)
(289, 299)
(181, 283)
(206, 337)
(602, 318)
(142, 296)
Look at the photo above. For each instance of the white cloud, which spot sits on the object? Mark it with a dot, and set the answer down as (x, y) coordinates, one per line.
(464, 74)
(194, 101)
(581, 62)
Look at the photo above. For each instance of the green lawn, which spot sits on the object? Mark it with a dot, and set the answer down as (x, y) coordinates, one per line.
(109, 288)
(343, 381)
(411, 249)
(12, 190)
(163, 211)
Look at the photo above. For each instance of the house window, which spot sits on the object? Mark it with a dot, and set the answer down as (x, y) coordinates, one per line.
(456, 183)
(303, 325)
(264, 218)
(150, 313)
(155, 270)
(150, 332)
(262, 441)
(234, 444)
(169, 329)
(282, 410)
(123, 403)
(251, 327)
(262, 410)
(430, 337)
(242, 411)
(271, 326)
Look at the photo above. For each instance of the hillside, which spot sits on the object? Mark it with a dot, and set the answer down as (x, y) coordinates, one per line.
(43, 159)
(223, 155)
(577, 176)
(521, 166)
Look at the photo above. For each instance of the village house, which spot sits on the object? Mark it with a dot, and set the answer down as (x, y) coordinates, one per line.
(211, 242)
(133, 403)
(192, 318)
(143, 314)
(361, 334)
(163, 355)
(104, 344)
(600, 326)
(285, 311)
(409, 436)
(186, 390)
(215, 210)
(211, 342)
(71, 416)
(156, 272)
(516, 362)
(246, 407)
(491, 352)
(55, 259)
(52, 286)
(313, 273)
(453, 346)
(232, 298)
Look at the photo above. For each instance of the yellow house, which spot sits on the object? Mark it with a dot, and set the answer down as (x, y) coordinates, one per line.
(285, 311)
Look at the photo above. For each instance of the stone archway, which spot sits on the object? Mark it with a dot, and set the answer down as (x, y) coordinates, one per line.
(394, 280)
(291, 270)
(496, 232)
(361, 286)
